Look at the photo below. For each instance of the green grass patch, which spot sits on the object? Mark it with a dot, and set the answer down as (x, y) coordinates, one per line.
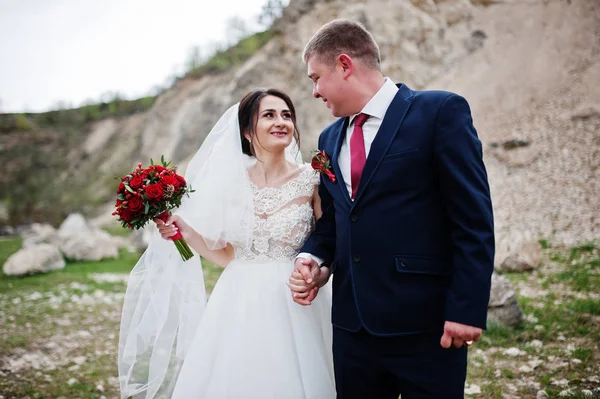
(74, 117)
(582, 267)
(73, 272)
(233, 56)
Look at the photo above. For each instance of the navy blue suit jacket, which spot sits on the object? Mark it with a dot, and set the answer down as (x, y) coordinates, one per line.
(416, 246)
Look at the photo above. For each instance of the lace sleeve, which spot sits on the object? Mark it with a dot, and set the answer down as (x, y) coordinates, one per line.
(313, 176)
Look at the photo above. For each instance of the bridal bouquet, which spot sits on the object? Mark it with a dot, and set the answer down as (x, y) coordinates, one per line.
(146, 194)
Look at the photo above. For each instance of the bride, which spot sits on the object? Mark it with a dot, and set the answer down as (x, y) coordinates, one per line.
(254, 206)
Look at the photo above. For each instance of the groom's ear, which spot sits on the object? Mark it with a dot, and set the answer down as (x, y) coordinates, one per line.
(346, 64)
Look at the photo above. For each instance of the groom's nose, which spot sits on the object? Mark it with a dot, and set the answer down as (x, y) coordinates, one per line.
(315, 92)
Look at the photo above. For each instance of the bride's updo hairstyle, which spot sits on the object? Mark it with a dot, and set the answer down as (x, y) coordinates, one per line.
(248, 116)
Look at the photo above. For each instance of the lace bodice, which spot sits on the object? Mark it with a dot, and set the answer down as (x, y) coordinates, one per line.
(283, 219)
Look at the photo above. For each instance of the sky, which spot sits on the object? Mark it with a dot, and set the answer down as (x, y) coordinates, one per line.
(71, 51)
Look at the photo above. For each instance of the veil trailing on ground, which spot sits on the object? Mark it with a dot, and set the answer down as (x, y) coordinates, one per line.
(165, 297)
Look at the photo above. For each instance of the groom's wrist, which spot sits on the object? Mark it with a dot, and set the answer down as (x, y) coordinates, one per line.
(324, 275)
(306, 255)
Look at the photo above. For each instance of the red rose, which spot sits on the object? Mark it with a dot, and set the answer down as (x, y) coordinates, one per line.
(121, 188)
(169, 180)
(136, 182)
(322, 164)
(159, 168)
(118, 203)
(126, 215)
(181, 180)
(135, 204)
(154, 191)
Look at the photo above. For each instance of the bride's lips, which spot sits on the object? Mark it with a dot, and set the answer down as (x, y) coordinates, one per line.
(279, 134)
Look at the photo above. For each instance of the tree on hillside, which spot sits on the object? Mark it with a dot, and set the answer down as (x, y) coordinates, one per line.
(194, 58)
(236, 28)
(270, 12)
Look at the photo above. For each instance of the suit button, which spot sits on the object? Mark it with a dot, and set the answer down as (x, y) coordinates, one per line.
(402, 264)
(356, 258)
(353, 218)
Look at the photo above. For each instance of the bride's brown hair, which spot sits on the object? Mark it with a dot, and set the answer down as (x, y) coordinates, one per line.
(248, 116)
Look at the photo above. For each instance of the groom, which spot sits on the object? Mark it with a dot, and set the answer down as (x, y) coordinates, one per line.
(407, 226)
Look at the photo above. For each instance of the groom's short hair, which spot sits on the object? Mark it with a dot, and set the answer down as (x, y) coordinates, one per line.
(342, 36)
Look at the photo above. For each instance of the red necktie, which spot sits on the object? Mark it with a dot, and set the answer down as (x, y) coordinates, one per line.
(358, 156)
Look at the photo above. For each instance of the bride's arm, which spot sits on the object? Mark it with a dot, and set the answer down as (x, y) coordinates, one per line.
(220, 257)
(316, 204)
(318, 212)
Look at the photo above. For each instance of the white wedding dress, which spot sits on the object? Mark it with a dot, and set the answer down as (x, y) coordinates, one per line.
(253, 341)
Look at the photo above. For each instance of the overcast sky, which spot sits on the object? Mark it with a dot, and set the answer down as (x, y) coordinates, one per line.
(73, 50)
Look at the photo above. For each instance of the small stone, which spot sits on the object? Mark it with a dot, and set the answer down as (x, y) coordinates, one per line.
(71, 381)
(512, 352)
(535, 363)
(560, 383)
(542, 395)
(79, 360)
(472, 389)
(525, 369)
(587, 393)
(536, 343)
(531, 318)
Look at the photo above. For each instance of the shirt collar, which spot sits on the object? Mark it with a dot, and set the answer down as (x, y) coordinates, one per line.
(379, 103)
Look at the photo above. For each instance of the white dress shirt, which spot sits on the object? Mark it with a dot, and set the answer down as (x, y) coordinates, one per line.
(376, 109)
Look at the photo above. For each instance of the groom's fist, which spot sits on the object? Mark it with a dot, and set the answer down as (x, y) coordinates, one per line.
(459, 334)
(307, 268)
(304, 281)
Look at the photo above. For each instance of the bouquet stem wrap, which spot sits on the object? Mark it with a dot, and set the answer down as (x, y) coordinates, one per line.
(182, 246)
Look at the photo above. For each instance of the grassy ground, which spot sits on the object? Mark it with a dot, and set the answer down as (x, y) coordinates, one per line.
(556, 348)
(59, 331)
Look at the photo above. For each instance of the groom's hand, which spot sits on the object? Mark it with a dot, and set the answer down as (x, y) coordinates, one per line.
(308, 268)
(459, 335)
(304, 281)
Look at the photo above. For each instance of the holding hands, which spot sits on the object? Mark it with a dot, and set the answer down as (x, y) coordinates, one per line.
(306, 279)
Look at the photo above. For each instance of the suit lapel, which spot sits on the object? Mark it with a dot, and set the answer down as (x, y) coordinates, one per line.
(387, 131)
(341, 134)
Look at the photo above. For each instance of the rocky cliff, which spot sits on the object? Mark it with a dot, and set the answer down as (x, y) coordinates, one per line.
(528, 69)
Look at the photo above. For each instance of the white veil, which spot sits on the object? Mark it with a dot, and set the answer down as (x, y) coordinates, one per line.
(165, 297)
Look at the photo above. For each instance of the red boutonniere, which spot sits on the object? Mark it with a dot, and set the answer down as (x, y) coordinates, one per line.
(322, 164)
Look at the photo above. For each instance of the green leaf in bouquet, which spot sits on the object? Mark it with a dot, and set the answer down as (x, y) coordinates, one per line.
(151, 162)
(147, 208)
(129, 188)
(121, 197)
